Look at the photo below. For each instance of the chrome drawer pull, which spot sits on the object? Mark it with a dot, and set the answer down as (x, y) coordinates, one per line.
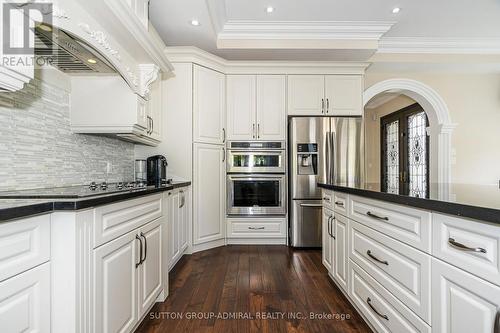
(339, 203)
(370, 214)
(369, 302)
(256, 228)
(369, 253)
(463, 247)
(327, 199)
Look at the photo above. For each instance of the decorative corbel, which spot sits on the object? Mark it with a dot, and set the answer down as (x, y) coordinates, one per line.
(148, 74)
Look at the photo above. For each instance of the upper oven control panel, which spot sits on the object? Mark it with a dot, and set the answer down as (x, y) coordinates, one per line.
(262, 145)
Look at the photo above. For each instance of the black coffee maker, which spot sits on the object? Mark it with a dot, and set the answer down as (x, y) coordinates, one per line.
(157, 170)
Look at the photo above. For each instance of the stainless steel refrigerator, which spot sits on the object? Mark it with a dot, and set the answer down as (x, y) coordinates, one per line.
(321, 149)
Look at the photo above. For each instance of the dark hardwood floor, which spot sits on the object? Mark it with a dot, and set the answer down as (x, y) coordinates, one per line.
(252, 282)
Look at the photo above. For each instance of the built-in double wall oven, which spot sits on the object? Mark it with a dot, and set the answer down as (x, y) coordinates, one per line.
(256, 181)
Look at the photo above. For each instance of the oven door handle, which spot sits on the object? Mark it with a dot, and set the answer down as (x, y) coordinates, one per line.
(311, 205)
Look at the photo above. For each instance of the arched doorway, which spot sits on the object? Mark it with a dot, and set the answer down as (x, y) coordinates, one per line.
(440, 125)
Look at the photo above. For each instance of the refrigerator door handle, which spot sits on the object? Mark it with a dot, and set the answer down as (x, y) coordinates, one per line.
(332, 157)
(327, 157)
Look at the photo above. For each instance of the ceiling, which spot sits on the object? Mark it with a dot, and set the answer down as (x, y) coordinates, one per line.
(327, 29)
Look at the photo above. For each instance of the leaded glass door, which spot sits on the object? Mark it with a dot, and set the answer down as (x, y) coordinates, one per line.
(405, 152)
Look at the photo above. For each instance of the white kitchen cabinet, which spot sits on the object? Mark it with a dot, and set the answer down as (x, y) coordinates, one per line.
(173, 220)
(256, 107)
(208, 106)
(461, 302)
(127, 278)
(24, 243)
(330, 95)
(340, 252)
(271, 109)
(185, 219)
(179, 223)
(241, 99)
(306, 95)
(106, 105)
(150, 271)
(209, 193)
(344, 95)
(154, 110)
(327, 244)
(25, 301)
(115, 284)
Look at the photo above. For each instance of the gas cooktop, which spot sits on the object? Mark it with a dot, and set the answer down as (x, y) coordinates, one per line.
(75, 192)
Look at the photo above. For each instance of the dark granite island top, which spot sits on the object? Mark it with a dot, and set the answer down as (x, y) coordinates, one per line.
(21, 204)
(480, 202)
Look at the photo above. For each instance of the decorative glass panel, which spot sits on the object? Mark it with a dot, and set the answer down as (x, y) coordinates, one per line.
(392, 157)
(417, 155)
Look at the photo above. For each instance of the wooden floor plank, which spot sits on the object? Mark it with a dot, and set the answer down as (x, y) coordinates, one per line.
(244, 283)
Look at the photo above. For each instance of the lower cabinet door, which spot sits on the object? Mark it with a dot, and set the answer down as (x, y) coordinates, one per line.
(327, 244)
(340, 257)
(209, 184)
(462, 302)
(150, 273)
(174, 225)
(115, 285)
(25, 301)
(384, 311)
(184, 220)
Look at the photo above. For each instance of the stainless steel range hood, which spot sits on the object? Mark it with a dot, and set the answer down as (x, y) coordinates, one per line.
(68, 53)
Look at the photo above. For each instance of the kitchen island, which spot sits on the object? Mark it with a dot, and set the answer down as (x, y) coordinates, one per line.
(412, 264)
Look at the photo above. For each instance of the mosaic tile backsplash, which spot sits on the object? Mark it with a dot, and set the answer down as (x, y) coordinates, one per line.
(38, 149)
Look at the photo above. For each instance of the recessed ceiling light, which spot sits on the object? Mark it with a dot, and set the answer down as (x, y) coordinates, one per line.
(396, 10)
(270, 9)
(195, 23)
(92, 61)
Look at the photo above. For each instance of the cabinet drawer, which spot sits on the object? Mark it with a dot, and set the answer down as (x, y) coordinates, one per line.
(24, 244)
(401, 269)
(383, 310)
(328, 199)
(25, 301)
(251, 228)
(112, 221)
(408, 225)
(340, 203)
(470, 245)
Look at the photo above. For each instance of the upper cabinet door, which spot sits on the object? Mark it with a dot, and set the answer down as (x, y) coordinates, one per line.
(306, 95)
(241, 123)
(208, 106)
(155, 110)
(271, 109)
(344, 95)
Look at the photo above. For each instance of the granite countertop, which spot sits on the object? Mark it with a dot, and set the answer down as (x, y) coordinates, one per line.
(17, 208)
(481, 202)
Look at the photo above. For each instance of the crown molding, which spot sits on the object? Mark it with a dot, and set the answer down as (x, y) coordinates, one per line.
(198, 56)
(439, 45)
(149, 40)
(302, 34)
(218, 14)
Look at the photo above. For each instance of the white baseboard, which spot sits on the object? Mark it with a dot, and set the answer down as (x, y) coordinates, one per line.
(208, 245)
(256, 241)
